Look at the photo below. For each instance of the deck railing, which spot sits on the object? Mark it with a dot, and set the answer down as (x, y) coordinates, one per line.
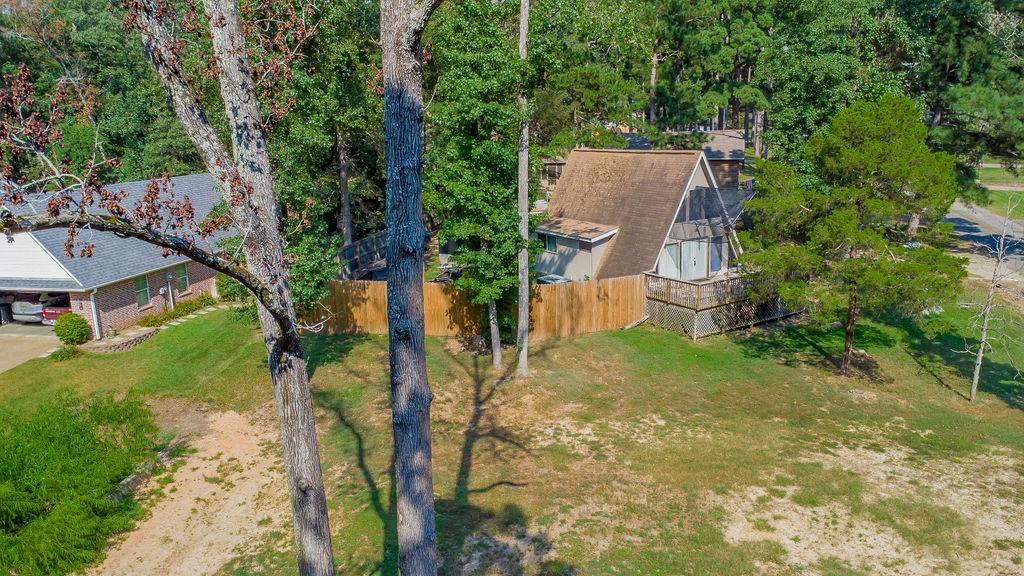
(363, 255)
(697, 294)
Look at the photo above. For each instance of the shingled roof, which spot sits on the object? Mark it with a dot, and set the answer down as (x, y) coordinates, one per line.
(636, 191)
(114, 258)
(725, 145)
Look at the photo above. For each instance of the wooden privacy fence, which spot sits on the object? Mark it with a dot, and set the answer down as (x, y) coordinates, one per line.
(559, 310)
(556, 310)
(361, 306)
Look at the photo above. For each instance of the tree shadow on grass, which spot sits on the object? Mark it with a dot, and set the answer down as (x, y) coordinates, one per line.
(794, 342)
(952, 350)
(383, 507)
(324, 349)
(471, 539)
(474, 540)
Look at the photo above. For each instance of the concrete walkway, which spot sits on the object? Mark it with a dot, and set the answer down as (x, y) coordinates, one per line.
(22, 342)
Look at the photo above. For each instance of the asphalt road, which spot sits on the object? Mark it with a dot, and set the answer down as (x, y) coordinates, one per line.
(979, 231)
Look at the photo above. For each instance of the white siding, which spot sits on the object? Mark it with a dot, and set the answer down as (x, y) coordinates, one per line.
(25, 257)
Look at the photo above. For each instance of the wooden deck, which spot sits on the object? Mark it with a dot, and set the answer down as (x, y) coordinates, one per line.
(705, 307)
(697, 294)
(363, 256)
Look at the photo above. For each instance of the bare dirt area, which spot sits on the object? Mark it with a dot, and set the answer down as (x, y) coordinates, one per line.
(981, 495)
(214, 503)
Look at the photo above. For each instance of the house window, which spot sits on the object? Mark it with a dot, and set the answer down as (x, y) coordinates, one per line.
(719, 245)
(181, 277)
(550, 243)
(141, 291)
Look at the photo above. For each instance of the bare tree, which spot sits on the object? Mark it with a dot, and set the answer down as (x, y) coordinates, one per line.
(401, 28)
(523, 202)
(244, 178)
(1002, 268)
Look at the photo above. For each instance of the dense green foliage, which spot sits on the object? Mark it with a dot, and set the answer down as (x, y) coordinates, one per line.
(230, 289)
(707, 52)
(588, 68)
(970, 74)
(777, 68)
(826, 55)
(336, 114)
(59, 466)
(837, 239)
(72, 329)
(470, 180)
(87, 41)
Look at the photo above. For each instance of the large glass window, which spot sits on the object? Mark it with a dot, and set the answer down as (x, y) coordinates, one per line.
(668, 264)
(719, 245)
(141, 285)
(181, 277)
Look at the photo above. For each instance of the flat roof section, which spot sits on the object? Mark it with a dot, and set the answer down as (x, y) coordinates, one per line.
(570, 228)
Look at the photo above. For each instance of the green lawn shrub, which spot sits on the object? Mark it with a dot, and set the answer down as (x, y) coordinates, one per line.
(65, 353)
(180, 309)
(59, 466)
(72, 329)
(246, 314)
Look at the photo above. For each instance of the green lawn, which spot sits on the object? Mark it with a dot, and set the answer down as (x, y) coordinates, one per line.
(639, 452)
(220, 361)
(1002, 200)
(999, 176)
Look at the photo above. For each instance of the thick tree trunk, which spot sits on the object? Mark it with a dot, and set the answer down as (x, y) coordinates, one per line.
(344, 201)
(402, 22)
(913, 225)
(938, 112)
(492, 321)
(759, 122)
(746, 124)
(246, 183)
(851, 319)
(265, 258)
(292, 397)
(523, 204)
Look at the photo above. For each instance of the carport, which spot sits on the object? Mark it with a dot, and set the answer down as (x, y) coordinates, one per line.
(46, 298)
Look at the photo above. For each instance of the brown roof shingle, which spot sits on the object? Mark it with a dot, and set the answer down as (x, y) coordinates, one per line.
(636, 191)
(575, 228)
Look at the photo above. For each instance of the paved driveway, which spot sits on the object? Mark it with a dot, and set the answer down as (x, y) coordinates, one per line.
(22, 342)
(979, 230)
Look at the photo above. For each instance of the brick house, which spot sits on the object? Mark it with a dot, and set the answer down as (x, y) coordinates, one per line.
(125, 278)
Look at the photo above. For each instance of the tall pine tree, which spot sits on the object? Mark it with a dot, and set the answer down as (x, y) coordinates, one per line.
(836, 241)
